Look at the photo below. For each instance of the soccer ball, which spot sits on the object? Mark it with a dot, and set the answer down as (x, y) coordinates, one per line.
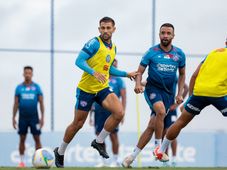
(43, 158)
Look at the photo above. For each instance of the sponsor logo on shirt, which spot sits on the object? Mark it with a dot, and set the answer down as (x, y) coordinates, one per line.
(166, 67)
(28, 96)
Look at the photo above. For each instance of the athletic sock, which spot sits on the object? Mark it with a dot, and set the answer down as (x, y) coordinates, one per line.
(135, 152)
(165, 144)
(102, 135)
(62, 148)
(157, 142)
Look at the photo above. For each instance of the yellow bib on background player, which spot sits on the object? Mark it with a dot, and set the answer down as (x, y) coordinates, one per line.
(212, 77)
(101, 63)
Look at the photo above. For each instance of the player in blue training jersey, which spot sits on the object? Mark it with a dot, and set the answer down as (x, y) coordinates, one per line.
(163, 61)
(95, 59)
(117, 85)
(208, 86)
(27, 96)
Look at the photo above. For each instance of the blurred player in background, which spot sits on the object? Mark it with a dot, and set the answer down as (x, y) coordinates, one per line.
(27, 96)
(117, 85)
(163, 61)
(208, 86)
(95, 59)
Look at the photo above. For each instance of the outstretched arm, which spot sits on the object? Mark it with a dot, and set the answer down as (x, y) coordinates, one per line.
(116, 72)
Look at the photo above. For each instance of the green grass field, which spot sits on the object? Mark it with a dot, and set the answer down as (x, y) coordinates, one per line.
(147, 168)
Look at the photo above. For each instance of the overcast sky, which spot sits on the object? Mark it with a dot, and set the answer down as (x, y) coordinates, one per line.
(200, 24)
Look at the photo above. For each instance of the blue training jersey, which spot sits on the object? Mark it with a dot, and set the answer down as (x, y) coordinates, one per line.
(28, 99)
(116, 85)
(163, 67)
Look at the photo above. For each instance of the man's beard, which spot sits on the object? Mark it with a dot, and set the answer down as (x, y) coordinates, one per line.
(165, 43)
(105, 37)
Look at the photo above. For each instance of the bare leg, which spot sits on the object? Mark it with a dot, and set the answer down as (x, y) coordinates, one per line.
(115, 143)
(78, 122)
(22, 144)
(147, 134)
(113, 104)
(37, 141)
(160, 111)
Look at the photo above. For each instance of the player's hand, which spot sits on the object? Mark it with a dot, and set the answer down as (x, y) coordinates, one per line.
(14, 123)
(173, 107)
(179, 99)
(138, 89)
(41, 122)
(100, 77)
(132, 75)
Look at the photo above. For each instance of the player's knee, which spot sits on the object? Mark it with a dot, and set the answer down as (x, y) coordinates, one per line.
(119, 115)
(161, 115)
(77, 125)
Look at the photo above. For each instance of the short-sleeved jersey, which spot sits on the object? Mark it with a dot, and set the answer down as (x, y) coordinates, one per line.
(163, 67)
(101, 58)
(116, 85)
(28, 99)
(212, 77)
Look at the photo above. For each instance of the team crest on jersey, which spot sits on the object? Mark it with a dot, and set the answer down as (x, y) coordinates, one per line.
(175, 58)
(83, 103)
(152, 96)
(108, 58)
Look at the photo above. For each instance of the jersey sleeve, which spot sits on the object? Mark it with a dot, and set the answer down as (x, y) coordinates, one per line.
(91, 47)
(182, 60)
(145, 59)
(39, 90)
(17, 91)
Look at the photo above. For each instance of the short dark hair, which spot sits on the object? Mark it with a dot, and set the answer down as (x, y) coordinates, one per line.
(167, 25)
(28, 68)
(107, 19)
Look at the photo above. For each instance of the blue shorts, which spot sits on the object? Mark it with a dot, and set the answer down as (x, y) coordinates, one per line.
(153, 95)
(32, 123)
(100, 118)
(170, 118)
(85, 100)
(195, 104)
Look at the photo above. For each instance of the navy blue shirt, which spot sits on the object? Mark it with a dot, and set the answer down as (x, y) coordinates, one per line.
(163, 67)
(28, 96)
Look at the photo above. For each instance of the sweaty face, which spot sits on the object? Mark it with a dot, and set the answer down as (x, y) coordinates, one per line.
(106, 30)
(166, 35)
(28, 74)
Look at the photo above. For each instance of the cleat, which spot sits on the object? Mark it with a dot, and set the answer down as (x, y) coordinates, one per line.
(163, 157)
(127, 162)
(100, 147)
(21, 165)
(59, 159)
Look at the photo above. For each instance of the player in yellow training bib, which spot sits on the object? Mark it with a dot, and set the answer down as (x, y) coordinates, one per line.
(208, 86)
(95, 59)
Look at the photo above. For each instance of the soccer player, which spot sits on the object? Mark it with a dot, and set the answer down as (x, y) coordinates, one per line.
(95, 59)
(27, 96)
(117, 85)
(163, 61)
(208, 86)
